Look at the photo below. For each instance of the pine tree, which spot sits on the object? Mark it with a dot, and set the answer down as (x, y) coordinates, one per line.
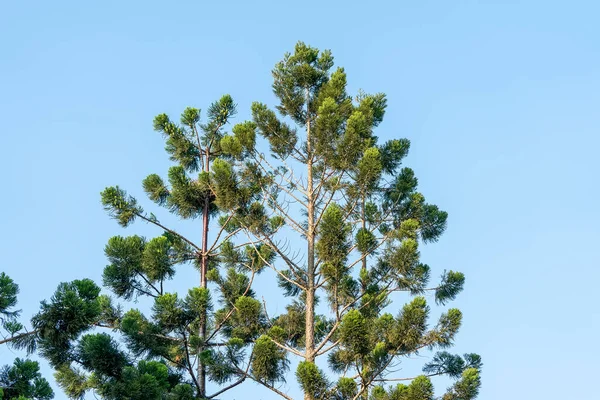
(179, 347)
(184, 342)
(331, 211)
(329, 184)
(22, 380)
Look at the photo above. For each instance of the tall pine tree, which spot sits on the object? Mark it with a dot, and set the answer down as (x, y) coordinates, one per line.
(330, 184)
(185, 334)
(184, 342)
(330, 210)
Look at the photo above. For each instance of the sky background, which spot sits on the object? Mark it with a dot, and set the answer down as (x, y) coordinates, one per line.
(499, 98)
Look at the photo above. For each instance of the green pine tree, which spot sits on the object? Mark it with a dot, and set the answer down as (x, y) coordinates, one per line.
(330, 184)
(331, 211)
(184, 341)
(181, 342)
(21, 380)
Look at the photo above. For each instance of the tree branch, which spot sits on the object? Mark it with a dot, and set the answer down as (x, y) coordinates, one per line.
(19, 336)
(149, 220)
(242, 379)
(279, 392)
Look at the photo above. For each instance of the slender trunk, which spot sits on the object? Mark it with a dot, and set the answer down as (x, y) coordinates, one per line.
(203, 283)
(364, 259)
(310, 292)
(309, 354)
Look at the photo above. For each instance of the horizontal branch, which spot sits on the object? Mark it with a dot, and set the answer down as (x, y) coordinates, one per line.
(19, 336)
(407, 379)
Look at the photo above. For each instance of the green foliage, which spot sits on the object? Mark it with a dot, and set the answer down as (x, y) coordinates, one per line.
(333, 245)
(179, 143)
(312, 379)
(405, 257)
(242, 142)
(138, 265)
(74, 383)
(219, 113)
(247, 321)
(231, 146)
(198, 302)
(365, 241)
(168, 312)
(369, 169)
(222, 365)
(451, 364)
(73, 309)
(8, 296)
(147, 380)
(373, 106)
(411, 325)
(23, 380)
(280, 136)
(304, 70)
(100, 353)
(466, 388)
(447, 326)
(156, 259)
(345, 389)
(433, 222)
(190, 117)
(120, 206)
(187, 197)
(269, 362)
(245, 133)
(233, 286)
(291, 325)
(420, 388)
(156, 189)
(8, 300)
(353, 333)
(224, 184)
(125, 256)
(392, 153)
(452, 284)
(142, 336)
(259, 256)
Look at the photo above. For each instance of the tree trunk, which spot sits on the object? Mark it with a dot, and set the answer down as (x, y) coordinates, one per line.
(363, 283)
(203, 284)
(310, 292)
(309, 354)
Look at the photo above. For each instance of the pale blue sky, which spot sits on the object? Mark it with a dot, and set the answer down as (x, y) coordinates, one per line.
(499, 98)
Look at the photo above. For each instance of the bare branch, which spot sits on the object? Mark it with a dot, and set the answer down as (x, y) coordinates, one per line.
(279, 392)
(286, 259)
(154, 222)
(242, 379)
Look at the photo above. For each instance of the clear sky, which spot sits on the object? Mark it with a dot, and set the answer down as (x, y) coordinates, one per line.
(501, 100)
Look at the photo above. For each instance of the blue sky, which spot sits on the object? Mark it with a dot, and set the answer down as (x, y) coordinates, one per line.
(499, 98)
